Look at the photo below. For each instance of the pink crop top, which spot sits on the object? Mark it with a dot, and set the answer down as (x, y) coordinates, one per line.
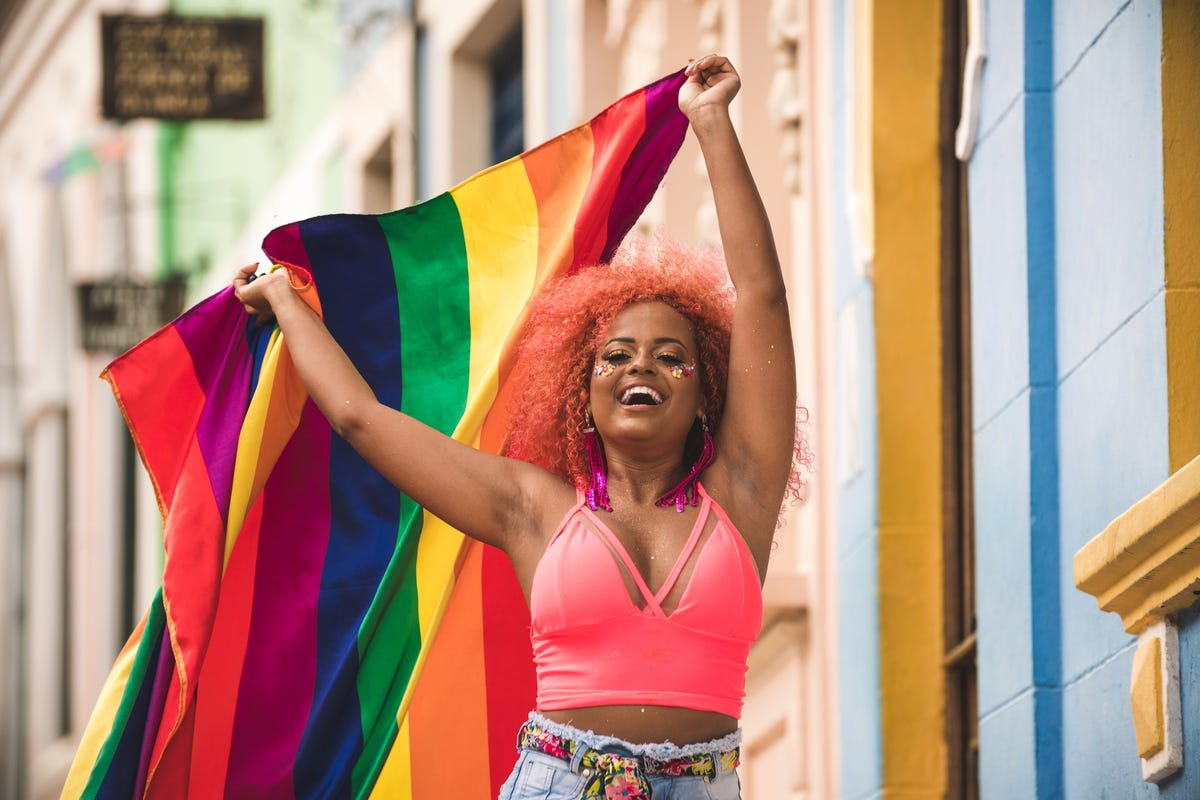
(593, 646)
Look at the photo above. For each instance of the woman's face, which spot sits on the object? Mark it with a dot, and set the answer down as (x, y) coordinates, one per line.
(645, 380)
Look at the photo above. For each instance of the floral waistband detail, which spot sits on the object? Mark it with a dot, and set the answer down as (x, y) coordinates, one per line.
(616, 775)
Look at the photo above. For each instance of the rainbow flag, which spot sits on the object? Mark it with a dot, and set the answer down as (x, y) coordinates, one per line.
(291, 651)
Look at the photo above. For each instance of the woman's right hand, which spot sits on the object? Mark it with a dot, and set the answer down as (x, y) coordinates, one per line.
(712, 82)
(254, 290)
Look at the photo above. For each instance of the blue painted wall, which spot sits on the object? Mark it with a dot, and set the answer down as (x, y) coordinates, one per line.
(1013, 311)
(1069, 379)
(861, 769)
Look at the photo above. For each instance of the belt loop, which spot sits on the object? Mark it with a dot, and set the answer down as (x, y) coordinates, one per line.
(720, 757)
(577, 758)
(716, 761)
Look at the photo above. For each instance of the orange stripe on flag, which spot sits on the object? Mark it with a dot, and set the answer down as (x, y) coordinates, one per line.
(448, 713)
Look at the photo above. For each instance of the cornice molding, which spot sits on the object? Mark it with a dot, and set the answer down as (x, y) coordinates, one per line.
(30, 39)
(787, 98)
(1146, 563)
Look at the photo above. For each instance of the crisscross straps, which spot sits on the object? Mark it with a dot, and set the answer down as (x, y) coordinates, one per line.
(653, 600)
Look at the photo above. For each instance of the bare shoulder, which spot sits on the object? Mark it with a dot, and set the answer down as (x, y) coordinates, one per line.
(753, 514)
(545, 501)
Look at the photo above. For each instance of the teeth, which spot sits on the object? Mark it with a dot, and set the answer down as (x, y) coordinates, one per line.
(635, 391)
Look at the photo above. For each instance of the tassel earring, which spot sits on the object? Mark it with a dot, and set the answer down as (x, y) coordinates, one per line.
(597, 493)
(685, 492)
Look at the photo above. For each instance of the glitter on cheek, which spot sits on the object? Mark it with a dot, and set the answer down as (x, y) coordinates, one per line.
(681, 371)
(603, 369)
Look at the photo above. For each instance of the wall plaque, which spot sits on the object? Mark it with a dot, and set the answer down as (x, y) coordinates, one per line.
(182, 68)
(117, 314)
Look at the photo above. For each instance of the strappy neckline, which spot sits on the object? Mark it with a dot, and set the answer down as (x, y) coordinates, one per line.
(653, 600)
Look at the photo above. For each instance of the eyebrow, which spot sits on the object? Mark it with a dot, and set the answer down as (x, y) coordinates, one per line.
(659, 340)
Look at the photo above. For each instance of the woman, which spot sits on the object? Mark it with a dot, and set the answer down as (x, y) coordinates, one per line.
(640, 665)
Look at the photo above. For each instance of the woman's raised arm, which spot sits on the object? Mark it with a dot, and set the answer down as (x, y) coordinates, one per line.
(485, 496)
(755, 440)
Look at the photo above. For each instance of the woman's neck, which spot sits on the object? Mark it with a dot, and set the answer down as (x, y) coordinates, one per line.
(643, 482)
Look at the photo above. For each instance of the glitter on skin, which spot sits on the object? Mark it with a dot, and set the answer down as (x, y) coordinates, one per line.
(603, 369)
(681, 371)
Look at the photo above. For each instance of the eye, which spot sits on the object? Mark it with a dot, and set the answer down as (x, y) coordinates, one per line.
(670, 358)
(617, 357)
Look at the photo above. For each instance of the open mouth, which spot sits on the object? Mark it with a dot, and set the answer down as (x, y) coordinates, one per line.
(640, 396)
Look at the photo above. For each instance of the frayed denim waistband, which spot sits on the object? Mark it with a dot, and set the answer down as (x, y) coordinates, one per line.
(660, 751)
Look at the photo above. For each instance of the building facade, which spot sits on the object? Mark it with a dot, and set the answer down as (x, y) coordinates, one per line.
(1018, 389)
(78, 554)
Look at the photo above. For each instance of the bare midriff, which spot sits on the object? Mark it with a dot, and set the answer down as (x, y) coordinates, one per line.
(643, 724)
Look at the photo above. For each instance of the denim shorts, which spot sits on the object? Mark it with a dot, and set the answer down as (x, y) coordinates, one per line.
(542, 776)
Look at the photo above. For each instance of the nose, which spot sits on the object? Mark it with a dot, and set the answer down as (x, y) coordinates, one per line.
(641, 362)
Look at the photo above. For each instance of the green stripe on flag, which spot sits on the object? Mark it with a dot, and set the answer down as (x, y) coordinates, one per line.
(429, 257)
(147, 648)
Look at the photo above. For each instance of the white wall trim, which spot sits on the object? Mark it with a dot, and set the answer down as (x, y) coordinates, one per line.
(1169, 760)
(976, 55)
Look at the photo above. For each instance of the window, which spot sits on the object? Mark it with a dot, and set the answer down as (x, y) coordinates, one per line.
(377, 179)
(959, 662)
(508, 98)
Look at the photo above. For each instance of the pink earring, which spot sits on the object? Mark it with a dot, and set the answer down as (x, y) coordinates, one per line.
(685, 492)
(597, 493)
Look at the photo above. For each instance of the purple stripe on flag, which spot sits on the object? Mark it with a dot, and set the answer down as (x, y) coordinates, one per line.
(225, 374)
(158, 694)
(277, 681)
(285, 244)
(647, 164)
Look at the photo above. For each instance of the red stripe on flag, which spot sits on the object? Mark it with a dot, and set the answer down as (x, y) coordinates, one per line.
(511, 685)
(191, 575)
(615, 134)
(223, 668)
(171, 760)
(163, 431)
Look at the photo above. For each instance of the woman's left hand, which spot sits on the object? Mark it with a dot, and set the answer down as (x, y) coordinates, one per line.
(712, 81)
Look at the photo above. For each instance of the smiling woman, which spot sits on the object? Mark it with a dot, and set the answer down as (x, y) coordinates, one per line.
(636, 381)
(568, 340)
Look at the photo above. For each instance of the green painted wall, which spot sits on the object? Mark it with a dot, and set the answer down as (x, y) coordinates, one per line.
(215, 173)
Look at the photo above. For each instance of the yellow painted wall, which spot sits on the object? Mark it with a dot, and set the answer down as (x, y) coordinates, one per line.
(1181, 208)
(906, 53)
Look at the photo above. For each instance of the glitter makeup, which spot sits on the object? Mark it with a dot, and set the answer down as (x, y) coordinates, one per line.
(681, 371)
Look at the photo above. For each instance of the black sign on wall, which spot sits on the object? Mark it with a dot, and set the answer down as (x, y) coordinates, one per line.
(116, 314)
(182, 68)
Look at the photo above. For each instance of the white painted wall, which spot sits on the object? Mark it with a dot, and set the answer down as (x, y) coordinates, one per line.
(60, 434)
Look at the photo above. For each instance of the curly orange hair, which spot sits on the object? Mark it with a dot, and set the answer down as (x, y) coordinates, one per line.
(566, 323)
